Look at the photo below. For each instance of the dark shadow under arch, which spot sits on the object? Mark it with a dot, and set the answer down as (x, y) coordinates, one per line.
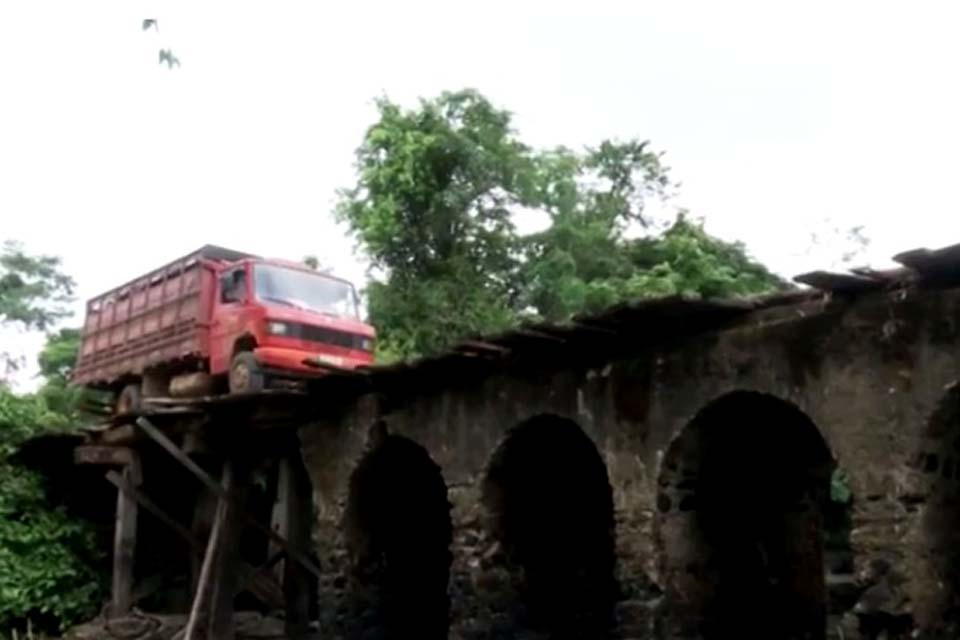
(398, 532)
(740, 522)
(550, 507)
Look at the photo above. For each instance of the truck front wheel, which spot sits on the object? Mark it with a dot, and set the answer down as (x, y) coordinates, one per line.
(245, 374)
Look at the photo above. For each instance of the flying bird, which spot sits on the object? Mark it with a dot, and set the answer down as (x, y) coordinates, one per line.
(151, 22)
(167, 56)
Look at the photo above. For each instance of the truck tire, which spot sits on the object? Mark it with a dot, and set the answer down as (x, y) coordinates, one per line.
(129, 400)
(245, 374)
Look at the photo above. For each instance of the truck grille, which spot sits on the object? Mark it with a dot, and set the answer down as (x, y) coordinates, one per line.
(325, 336)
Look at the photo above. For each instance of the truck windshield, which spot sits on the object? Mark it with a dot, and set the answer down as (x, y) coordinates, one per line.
(304, 290)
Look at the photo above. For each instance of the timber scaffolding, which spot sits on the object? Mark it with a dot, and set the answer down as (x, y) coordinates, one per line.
(242, 432)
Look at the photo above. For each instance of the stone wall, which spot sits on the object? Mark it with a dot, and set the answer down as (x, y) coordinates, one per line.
(684, 462)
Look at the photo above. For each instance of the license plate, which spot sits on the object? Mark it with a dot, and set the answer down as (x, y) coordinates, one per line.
(324, 358)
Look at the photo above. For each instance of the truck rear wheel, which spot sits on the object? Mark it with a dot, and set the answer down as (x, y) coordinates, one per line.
(245, 374)
(129, 400)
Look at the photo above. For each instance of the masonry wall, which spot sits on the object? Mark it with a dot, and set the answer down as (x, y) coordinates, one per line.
(871, 378)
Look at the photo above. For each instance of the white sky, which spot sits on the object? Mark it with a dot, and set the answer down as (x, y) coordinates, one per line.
(781, 120)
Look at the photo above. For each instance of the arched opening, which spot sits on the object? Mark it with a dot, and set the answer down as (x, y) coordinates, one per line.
(398, 533)
(550, 508)
(740, 522)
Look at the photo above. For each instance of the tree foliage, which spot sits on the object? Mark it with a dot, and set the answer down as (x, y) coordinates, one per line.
(438, 191)
(56, 360)
(47, 559)
(433, 209)
(33, 291)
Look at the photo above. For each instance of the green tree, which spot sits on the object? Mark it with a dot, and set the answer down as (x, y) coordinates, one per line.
(34, 292)
(56, 360)
(433, 210)
(47, 559)
(437, 192)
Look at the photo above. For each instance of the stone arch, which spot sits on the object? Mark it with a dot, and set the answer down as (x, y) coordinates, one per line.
(549, 506)
(739, 521)
(398, 533)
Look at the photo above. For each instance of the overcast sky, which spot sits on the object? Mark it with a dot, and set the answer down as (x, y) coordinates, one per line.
(780, 120)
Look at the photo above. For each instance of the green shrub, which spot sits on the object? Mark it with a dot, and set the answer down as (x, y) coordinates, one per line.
(47, 559)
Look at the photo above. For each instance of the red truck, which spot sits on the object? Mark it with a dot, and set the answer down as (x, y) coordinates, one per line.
(220, 320)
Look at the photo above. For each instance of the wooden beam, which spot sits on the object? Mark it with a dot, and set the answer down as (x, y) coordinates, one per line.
(295, 517)
(225, 575)
(201, 599)
(209, 482)
(479, 345)
(94, 454)
(124, 545)
(260, 584)
(839, 282)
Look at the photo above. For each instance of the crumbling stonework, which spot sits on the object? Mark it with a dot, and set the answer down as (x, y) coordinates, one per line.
(676, 492)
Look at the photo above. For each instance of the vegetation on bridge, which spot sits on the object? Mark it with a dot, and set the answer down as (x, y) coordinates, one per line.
(440, 192)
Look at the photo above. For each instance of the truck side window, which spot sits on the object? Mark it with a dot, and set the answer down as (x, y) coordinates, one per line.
(233, 286)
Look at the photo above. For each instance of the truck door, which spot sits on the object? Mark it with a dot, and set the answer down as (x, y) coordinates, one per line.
(227, 323)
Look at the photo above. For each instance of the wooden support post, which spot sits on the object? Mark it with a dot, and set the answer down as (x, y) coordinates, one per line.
(198, 617)
(258, 580)
(124, 544)
(204, 512)
(292, 519)
(226, 579)
(211, 484)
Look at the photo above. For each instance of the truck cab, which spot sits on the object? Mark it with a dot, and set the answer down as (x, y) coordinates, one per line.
(276, 320)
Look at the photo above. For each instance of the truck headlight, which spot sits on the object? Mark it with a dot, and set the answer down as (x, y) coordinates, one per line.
(278, 328)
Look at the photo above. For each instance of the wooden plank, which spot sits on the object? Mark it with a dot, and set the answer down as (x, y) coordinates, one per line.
(479, 345)
(225, 577)
(94, 454)
(199, 607)
(937, 264)
(297, 517)
(205, 478)
(117, 435)
(124, 548)
(839, 282)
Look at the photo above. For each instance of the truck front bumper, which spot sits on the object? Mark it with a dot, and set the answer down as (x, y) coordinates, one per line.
(304, 362)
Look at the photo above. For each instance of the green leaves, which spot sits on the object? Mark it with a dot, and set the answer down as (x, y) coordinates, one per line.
(33, 291)
(47, 559)
(438, 189)
(433, 210)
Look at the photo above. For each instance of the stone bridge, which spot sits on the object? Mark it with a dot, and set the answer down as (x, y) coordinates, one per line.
(785, 467)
